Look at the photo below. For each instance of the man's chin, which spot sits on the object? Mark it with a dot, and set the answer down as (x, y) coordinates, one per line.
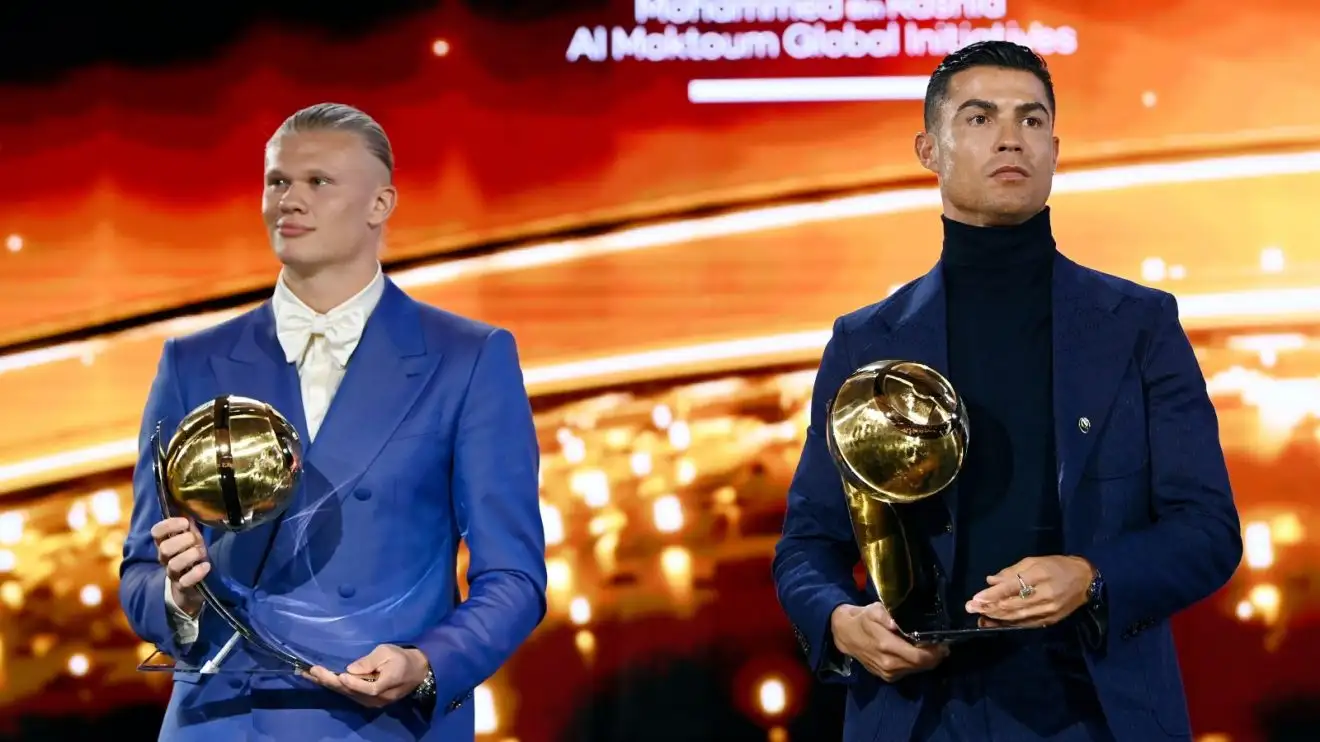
(294, 252)
(1011, 213)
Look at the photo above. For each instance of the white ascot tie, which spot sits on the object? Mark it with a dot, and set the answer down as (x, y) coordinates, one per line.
(342, 329)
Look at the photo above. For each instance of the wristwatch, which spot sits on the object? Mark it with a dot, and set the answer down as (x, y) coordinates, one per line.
(1095, 594)
(425, 691)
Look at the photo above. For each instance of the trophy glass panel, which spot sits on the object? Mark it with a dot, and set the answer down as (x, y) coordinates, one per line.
(232, 641)
(252, 650)
(234, 464)
(249, 630)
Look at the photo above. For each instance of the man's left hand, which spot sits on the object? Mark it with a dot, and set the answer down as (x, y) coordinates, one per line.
(386, 675)
(1059, 586)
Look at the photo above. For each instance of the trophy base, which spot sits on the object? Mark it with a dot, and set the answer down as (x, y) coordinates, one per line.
(954, 636)
(925, 621)
(263, 658)
(163, 663)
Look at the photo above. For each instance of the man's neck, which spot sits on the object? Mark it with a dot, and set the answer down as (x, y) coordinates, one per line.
(325, 288)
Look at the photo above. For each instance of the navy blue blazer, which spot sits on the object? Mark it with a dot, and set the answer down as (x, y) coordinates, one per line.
(429, 440)
(1144, 491)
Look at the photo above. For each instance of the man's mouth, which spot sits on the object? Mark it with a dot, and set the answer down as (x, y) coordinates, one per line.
(1009, 172)
(292, 230)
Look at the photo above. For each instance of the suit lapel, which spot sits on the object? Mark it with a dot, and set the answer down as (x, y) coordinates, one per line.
(255, 368)
(386, 374)
(1092, 350)
(915, 330)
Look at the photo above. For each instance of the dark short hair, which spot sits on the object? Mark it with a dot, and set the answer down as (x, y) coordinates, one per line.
(1003, 54)
(346, 118)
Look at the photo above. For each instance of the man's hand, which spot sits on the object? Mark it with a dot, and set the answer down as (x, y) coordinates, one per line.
(869, 635)
(1059, 585)
(386, 675)
(182, 552)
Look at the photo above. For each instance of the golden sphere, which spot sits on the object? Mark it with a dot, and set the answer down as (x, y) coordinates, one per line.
(897, 431)
(232, 464)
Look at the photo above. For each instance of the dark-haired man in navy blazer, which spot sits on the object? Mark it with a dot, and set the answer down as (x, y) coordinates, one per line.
(1094, 501)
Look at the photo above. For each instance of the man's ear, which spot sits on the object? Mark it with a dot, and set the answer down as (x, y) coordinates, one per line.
(383, 206)
(924, 146)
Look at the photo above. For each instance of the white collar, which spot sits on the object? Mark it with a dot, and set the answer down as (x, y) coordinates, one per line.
(295, 322)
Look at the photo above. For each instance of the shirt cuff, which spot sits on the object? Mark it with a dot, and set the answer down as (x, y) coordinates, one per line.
(185, 627)
(839, 664)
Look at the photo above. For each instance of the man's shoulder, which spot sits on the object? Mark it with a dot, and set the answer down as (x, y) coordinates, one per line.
(214, 333)
(891, 305)
(1126, 287)
(1145, 300)
(452, 330)
(1131, 298)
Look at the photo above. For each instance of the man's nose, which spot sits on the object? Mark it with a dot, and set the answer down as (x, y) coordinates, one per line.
(292, 202)
(1009, 143)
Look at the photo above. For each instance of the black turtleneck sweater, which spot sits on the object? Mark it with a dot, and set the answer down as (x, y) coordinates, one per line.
(998, 283)
(999, 299)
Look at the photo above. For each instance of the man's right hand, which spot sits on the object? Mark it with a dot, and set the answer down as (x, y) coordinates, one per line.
(182, 552)
(870, 636)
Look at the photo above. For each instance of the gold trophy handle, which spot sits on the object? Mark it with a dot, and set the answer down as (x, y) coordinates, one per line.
(884, 547)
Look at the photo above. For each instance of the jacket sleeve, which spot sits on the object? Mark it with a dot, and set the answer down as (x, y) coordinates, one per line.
(815, 556)
(141, 577)
(1194, 545)
(496, 497)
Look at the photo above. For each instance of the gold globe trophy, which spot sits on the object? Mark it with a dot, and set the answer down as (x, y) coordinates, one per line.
(232, 464)
(898, 432)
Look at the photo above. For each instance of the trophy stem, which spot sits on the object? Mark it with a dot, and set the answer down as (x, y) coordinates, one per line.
(883, 545)
(213, 664)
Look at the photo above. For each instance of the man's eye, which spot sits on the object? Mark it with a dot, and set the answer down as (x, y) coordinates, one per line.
(978, 119)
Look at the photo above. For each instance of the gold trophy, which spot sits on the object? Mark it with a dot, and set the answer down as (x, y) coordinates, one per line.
(898, 432)
(232, 465)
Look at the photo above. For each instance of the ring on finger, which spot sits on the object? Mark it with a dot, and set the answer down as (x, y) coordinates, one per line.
(1027, 590)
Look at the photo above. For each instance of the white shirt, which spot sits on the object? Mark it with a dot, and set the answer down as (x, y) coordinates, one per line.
(320, 345)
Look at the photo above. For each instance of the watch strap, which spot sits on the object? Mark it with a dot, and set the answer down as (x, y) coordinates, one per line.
(1095, 593)
(426, 690)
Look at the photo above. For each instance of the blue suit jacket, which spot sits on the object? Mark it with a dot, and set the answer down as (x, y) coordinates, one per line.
(429, 440)
(1144, 492)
